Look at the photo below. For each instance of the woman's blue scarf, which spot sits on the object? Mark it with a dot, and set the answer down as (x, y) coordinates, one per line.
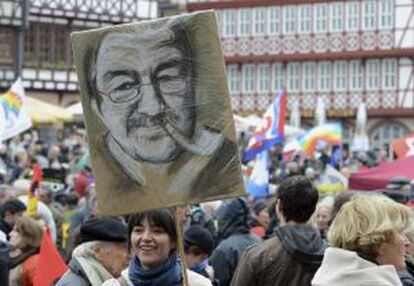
(168, 273)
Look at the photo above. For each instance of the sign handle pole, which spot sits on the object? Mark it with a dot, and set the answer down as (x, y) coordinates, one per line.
(180, 245)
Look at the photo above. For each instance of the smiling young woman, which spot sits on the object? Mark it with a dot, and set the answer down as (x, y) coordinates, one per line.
(152, 239)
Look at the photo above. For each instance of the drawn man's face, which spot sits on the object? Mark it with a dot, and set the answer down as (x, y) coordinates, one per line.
(144, 82)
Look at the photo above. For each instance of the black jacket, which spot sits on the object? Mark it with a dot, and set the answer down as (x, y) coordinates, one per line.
(234, 236)
(4, 263)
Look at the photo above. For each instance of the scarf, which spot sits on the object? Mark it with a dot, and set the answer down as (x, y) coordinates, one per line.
(26, 253)
(92, 268)
(200, 267)
(168, 273)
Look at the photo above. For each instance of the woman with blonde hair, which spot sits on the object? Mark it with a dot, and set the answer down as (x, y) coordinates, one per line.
(367, 244)
(25, 239)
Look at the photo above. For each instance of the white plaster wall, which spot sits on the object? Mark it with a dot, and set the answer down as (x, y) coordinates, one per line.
(406, 81)
(403, 9)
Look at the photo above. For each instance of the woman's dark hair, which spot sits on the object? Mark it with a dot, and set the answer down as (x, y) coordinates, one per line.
(164, 218)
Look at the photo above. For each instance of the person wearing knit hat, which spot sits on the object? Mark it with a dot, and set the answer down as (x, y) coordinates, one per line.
(198, 246)
(102, 254)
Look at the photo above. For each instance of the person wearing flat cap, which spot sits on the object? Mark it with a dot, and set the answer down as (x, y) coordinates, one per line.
(101, 255)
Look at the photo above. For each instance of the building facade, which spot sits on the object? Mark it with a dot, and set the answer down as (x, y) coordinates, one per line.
(346, 52)
(35, 40)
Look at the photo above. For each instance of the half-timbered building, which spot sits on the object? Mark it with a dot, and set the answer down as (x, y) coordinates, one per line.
(346, 52)
(35, 40)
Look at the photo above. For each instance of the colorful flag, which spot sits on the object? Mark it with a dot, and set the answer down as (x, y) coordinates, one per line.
(14, 118)
(32, 201)
(258, 183)
(50, 264)
(329, 133)
(271, 128)
(331, 181)
(404, 146)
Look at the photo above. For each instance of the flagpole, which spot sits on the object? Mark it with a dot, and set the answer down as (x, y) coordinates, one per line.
(282, 165)
(341, 158)
(282, 162)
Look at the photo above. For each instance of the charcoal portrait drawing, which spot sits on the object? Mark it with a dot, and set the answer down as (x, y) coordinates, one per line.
(154, 138)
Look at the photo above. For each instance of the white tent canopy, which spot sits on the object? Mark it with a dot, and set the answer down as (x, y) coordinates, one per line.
(75, 109)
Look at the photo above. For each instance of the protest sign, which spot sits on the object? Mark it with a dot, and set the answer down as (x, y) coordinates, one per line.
(158, 114)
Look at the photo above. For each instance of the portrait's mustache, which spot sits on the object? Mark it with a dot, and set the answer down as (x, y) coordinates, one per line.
(203, 143)
(142, 120)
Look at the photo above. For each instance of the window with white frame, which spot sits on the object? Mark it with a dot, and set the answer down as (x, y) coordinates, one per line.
(289, 19)
(229, 23)
(263, 78)
(337, 17)
(320, 18)
(233, 78)
(340, 69)
(293, 75)
(356, 74)
(273, 20)
(389, 74)
(324, 76)
(369, 14)
(305, 19)
(248, 76)
(308, 76)
(372, 74)
(277, 77)
(352, 16)
(244, 22)
(259, 16)
(386, 14)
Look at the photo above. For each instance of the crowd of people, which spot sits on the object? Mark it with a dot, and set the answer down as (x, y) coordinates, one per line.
(295, 235)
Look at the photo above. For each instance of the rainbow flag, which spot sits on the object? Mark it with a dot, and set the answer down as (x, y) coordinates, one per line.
(14, 118)
(11, 103)
(329, 133)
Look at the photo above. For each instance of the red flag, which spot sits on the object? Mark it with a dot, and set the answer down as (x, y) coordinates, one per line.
(32, 202)
(404, 146)
(50, 264)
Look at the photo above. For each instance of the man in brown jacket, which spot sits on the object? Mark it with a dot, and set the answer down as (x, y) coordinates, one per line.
(296, 252)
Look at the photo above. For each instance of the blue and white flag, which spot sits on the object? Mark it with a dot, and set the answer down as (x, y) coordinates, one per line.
(258, 184)
(271, 128)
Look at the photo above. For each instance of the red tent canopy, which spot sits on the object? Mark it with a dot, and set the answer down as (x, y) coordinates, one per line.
(378, 178)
